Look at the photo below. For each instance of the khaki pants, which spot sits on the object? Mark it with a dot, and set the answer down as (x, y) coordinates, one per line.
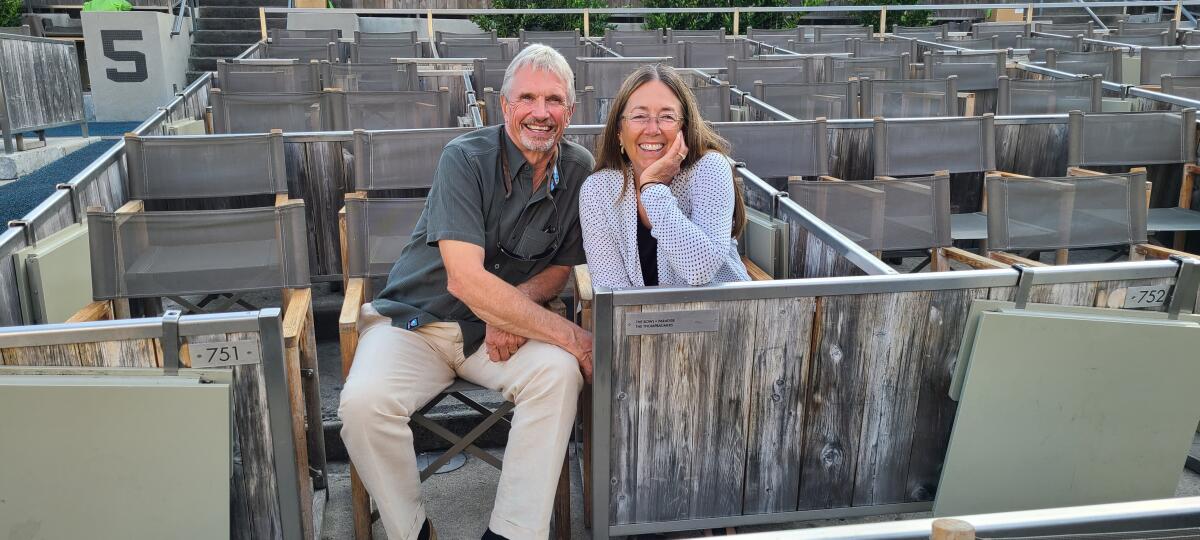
(397, 371)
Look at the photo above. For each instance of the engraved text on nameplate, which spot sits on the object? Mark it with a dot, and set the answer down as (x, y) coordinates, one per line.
(672, 322)
(1143, 297)
(224, 353)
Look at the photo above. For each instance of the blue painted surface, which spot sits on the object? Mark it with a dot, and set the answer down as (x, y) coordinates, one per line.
(18, 198)
(95, 129)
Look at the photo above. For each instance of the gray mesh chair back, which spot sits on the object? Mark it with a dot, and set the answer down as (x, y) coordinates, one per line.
(387, 77)
(155, 254)
(262, 112)
(549, 37)
(387, 38)
(1006, 33)
(991, 43)
(696, 36)
(1069, 212)
(317, 49)
(1039, 44)
(1150, 40)
(1107, 64)
(909, 98)
(377, 231)
(475, 49)
(769, 69)
(193, 167)
(713, 55)
(382, 53)
(921, 146)
(833, 46)
(605, 75)
(268, 76)
(391, 110)
(809, 101)
(1185, 87)
(1088, 29)
(1048, 96)
(779, 149)
(673, 50)
(327, 35)
(843, 69)
(399, 159)
(1159, 61)
(882, 215)
(1125, 28)
(488, 73)
(777, 38)
(975, 71)
(442, 36)
(839, 33)
(1128, 139)
(889, 47)
(924, 33)
(713, 98)
(629, 37)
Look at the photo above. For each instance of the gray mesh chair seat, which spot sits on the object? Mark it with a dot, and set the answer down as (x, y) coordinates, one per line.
(843, 69)
(1048, 96)
(969, 226)
(713, 54)
(909, 98)
(1173, 219)
(779, 149)
(882, 215)
(1159, 61)
(769, 69)
(390, 76)
(262, 112)
(268, 76)
(154, 254)
(391, 110)
(382, 53)
(921, 146)
(1068, 212)
(975, 71)
(1104, 63)
(809, 101)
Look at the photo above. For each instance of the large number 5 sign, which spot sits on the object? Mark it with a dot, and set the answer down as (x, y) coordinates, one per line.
(110, 37)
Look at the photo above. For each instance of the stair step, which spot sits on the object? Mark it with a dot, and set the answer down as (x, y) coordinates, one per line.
(246, 12)
(226, 36)
(237, 23)
(242, 3)
(219, 50)
(193, 75)
(200, 63)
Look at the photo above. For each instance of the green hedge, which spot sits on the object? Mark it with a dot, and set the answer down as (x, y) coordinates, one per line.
(712, 21)
(510, 25)
(902, 18)
(10, 12)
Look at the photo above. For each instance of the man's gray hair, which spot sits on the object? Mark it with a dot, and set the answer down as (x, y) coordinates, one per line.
(538, 56)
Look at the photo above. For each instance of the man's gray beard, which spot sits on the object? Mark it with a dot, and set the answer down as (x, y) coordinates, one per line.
(536, 146)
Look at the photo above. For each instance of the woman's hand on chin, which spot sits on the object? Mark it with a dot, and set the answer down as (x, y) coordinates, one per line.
(663, 170)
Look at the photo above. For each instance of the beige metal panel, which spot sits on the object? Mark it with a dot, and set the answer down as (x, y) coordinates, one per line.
(55, 276)
(114, 457)
(1070, 409)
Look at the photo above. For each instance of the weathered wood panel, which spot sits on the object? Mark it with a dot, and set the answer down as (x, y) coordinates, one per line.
(626, 386)
(317, 173)
(689, 388)
(782, 347)
(41, 82)
(810, 257)
(1032, 149)
(851, 153)
(10, 303)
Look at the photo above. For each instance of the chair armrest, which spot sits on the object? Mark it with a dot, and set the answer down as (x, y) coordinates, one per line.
(583, 283)
(348, 319)
(1151, 251)
(100, 310)
(1009, 258)
(756, 273)
(297, 304)
(977, 262)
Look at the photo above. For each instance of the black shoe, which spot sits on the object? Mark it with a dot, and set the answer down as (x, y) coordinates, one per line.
(489, 535)
(427, 532)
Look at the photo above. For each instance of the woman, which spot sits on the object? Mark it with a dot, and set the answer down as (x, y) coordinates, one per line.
(661, 207)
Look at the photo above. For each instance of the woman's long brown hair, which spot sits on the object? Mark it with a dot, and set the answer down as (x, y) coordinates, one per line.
(697, 134)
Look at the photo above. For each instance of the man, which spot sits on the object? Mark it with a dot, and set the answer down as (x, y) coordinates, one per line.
(498, 237)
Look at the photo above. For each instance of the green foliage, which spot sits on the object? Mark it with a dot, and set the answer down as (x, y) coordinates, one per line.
(902, 18)
(510, 25)
(711, 21)
(10, 12)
